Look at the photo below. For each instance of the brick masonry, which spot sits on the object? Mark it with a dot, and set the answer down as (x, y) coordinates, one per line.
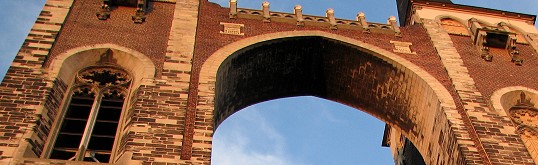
(490, 132)
(29, 100)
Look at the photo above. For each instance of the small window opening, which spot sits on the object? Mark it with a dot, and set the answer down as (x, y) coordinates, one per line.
(496, 40)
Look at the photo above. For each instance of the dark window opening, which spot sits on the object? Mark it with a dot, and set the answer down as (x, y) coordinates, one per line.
(106, 124)
(92, 116)
(73, 125)
(496, 40)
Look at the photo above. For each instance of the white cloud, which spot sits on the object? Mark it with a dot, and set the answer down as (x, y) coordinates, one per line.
(235, 143)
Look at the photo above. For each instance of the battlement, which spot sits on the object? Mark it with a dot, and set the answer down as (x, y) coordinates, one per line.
(298, 18)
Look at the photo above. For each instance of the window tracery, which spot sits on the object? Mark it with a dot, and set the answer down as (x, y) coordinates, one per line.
(525, 117)
(89, 125)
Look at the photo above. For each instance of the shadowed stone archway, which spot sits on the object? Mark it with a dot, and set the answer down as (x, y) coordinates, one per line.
(313, 63)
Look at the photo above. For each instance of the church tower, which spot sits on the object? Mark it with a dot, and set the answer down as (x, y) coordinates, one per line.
(149, 81)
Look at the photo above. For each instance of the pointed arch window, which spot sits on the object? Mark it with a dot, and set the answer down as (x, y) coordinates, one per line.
(525, 116)
(88, 128)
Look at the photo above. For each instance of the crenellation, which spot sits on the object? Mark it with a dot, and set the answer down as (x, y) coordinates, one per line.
(308, 20)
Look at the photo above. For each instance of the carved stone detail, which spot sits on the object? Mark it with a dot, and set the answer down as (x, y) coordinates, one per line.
(402, 47)
(525, 116)
(104, 76)
(139, 17)
(104, 12)
(481, 36)
(232, 29)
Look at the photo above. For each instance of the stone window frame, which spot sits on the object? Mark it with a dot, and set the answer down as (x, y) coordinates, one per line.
(509, 99)
(124, 87)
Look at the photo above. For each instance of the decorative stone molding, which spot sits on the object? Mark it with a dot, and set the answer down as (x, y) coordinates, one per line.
(501, 37)
(136, 63)
(104, 76)
(298, 18)
(232, 29)
(402, 47)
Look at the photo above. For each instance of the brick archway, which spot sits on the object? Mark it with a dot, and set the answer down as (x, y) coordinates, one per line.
(409, 87)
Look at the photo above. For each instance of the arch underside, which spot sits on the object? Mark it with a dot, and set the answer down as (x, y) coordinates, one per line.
(337, 71)
(313, 66)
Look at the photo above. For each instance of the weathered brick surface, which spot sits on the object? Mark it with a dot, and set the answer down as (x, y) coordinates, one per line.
(489, 76)
(155, 129)
(82, 28)
(488, 129)
(178, 63)
(44, 122)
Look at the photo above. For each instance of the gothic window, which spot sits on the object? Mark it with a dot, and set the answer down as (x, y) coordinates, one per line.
(525, 117)
(88, 127)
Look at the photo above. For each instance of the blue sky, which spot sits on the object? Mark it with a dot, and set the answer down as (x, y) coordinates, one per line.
(290, 131)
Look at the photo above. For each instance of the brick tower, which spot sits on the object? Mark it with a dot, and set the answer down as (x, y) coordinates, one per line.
(148, 81)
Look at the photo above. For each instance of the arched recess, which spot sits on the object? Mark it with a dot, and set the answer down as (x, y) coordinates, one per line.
(66, 64)
(62, 72)
(519, 104)
(369, 78)
(505, 98)
(453, 25)
(480, 21)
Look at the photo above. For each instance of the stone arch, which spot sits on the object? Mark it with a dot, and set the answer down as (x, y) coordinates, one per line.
(440, 105)
(481, 22)
(66, 64)
(63, 70)
(518, 104)
(505, 98)
(457, 26)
